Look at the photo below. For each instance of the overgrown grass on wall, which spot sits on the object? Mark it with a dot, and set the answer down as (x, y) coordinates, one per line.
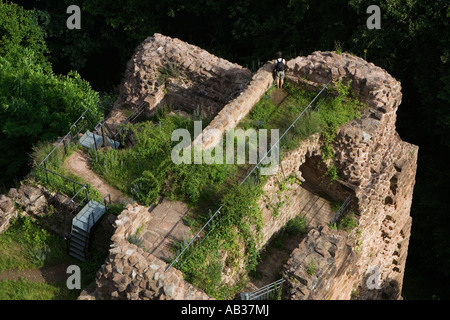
(146, 171)
(328, 114)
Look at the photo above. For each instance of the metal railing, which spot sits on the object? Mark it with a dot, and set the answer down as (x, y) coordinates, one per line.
(256, 167)
(108, 196)
(75, 203)
(268, 292)
(340, 212)
(132, 118)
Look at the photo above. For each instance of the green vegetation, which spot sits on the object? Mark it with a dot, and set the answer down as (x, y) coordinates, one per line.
(347, 223)
(329, 114)
(311, 267)
(241, 31)
(169, 71)
(25, 245)
(54, 162)
(23, 289)
(294, 227)
(146, 171)
(35, 104)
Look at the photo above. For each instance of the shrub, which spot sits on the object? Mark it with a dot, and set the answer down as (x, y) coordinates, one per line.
(146, 188)
(296, 226)
(348, 223)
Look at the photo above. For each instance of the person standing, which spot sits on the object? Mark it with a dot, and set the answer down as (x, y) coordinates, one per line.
(280, 66)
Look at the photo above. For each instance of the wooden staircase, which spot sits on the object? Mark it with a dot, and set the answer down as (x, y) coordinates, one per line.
(82, 224)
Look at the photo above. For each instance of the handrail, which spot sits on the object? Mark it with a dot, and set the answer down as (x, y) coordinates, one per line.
(60, 175)
(192, 240)
(284, 133)
(263, 291)
(337, 216)
(104, 199)
(69, 133)
(76, 194)
(136, 113)
(248, 175)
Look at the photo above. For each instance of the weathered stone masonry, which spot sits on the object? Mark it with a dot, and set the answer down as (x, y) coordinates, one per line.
(132, 273)
(202, 83)
(380, 168)
(375, 166)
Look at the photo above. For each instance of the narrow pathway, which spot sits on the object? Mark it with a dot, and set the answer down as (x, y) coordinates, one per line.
(50, 274)
(78, 164)
(165, 227)
(278, 96)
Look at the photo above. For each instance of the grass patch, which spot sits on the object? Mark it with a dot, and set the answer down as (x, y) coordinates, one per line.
(23, 289)
(25, 245)
(325, 117)
(54, 162)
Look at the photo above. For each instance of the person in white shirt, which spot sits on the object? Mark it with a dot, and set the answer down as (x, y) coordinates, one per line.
(280, 66)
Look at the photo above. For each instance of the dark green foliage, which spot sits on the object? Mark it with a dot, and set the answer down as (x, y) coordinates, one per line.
(146, 188)
(35, 104)
(21, 38)
(412, 44)
(348, 222)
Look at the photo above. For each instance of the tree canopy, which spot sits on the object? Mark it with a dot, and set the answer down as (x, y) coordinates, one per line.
(35, 104)
(413, 45)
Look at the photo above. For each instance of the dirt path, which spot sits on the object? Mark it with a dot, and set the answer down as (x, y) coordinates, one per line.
(51, 274)
(78, 164)
(278, 96)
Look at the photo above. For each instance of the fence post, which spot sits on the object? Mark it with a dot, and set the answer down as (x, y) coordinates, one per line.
(103, 135)
(95, 141)
(65, 148)
(46, 173)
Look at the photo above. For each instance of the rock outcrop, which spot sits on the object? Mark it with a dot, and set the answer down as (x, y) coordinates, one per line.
(7, 212)
(51, 209)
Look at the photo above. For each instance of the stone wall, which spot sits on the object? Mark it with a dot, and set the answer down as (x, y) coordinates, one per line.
(321, 268)
(8, 212)
(198, 80)
(237, 109)
(273, 193)
(132, 273)
(378, 166)
(49, 208)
